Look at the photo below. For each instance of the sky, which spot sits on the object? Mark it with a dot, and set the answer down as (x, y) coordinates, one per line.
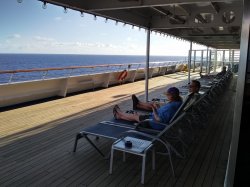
(28, 28)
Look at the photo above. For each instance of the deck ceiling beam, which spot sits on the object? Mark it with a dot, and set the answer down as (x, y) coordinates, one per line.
(117, 5)
(169, 14)
(215, 7)
(200, 33)
(128, 17)
(214, 30)
(124, 16)
(101, 5)
(226, 45)
(163, 22)
(157, 23)
(183, 9)
(136, 12)
(200, 18)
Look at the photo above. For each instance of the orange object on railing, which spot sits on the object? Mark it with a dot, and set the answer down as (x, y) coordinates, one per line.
(123, 75)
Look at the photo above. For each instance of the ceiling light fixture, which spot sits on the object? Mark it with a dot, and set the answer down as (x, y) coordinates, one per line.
(221, 28)
(65, 10)
(44, 5)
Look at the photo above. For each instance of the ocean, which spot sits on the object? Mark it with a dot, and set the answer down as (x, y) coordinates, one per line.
(31, 61)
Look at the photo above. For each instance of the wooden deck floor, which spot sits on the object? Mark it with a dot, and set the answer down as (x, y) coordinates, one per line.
(36, 143)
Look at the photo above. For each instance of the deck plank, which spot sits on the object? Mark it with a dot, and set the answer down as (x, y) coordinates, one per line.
(36, 147)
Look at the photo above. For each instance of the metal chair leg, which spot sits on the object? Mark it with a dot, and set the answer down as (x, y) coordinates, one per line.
(143, 168)
(111, 161)
(78, 136)
(153, 158)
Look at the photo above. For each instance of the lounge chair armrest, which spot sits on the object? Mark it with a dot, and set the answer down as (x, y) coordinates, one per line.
(138, 133)
(153, 138)
(150, 120)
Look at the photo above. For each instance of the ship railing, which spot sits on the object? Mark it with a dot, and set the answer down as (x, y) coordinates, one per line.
(84, 70)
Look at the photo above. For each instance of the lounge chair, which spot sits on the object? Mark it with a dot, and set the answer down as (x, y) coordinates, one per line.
(159, 139)
(113, 129)
(106, 129)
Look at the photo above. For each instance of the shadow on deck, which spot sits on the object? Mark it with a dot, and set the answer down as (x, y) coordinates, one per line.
(43, 156)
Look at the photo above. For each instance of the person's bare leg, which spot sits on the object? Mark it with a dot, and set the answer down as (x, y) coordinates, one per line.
(137, 104)
(128, 117)
(125, 116)
(145, 106)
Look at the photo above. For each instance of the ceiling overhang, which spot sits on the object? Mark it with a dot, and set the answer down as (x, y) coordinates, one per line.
(214, 23)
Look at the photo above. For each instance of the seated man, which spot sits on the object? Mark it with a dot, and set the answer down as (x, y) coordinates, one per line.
(219, 75)
(193, 95)
(222, 73)
(162, 114)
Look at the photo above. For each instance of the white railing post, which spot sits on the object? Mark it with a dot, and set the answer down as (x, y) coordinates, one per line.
(215, 60)
(189, 61)
(45, 74)
(223, 58)
(147, 65)
(11, 76)
(70, 72)
(194, 60)
(207, 62)
(201, 62)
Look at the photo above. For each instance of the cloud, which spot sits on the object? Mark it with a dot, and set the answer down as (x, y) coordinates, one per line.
(14, 36)
(83, 45)
(43, 44)
(133, 46)
(129, 39)
(103, 34)
(17, 36)
(83, 25)
(58, 18)
(43, 39)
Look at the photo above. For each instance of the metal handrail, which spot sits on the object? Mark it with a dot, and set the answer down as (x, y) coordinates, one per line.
(109, 67)
(63, 68)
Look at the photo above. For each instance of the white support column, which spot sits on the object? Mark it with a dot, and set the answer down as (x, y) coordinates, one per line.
(223, 58)
(207, 62)
(215, 60)
(147, 65)
(244, 53)
(201, 62)
(194, 60)
(189, 61)
(232, 58)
